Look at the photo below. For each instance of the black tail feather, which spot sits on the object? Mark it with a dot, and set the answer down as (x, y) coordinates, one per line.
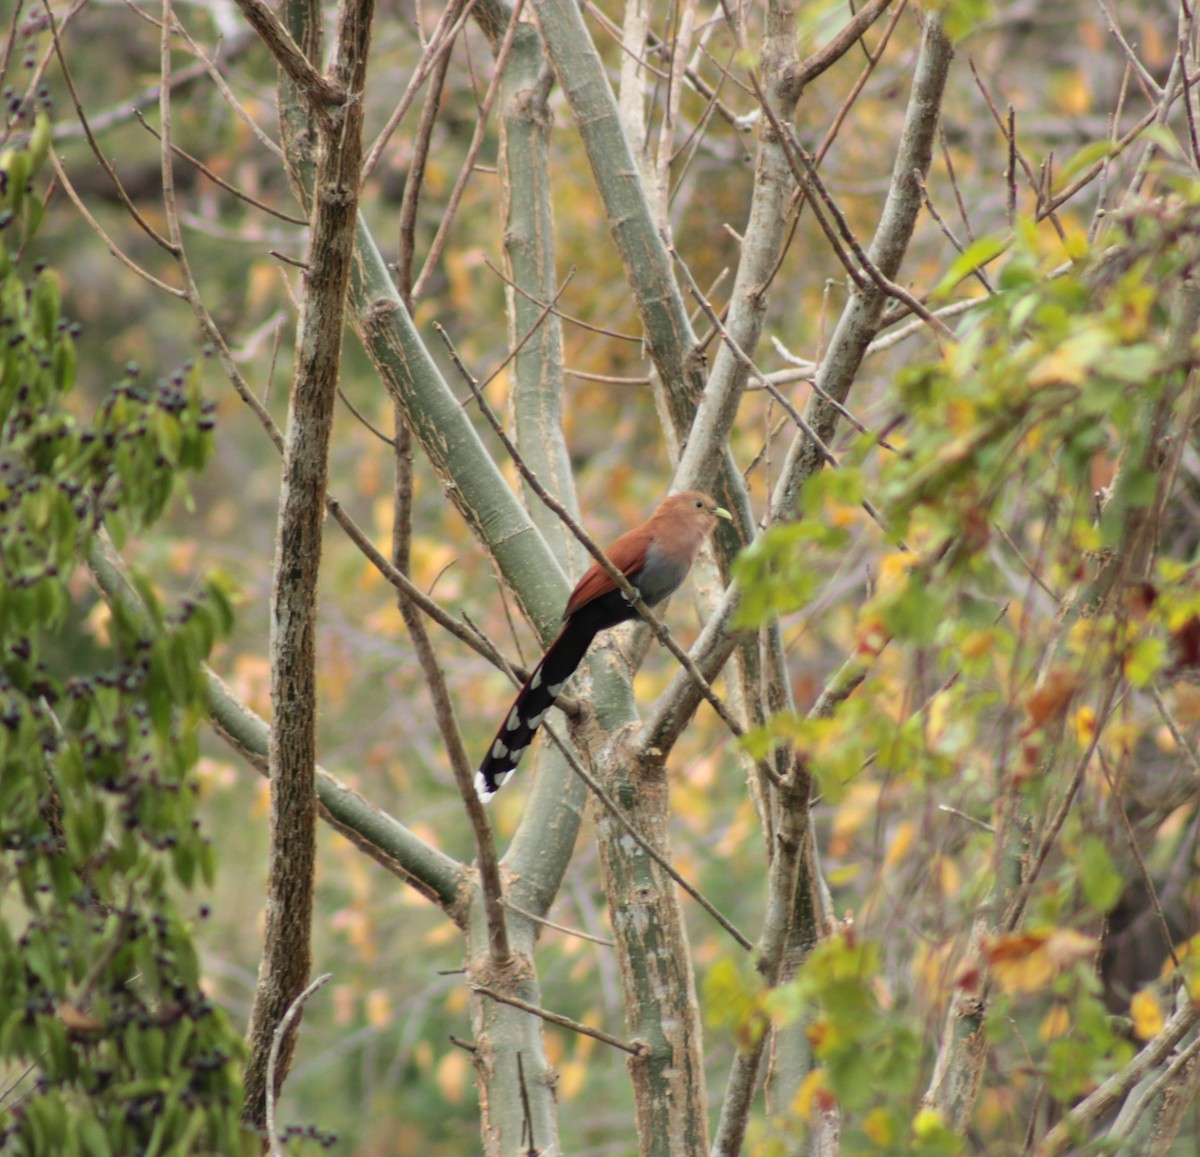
(529, 708)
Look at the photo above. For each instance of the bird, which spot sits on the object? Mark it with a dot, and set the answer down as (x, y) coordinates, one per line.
(655, 557)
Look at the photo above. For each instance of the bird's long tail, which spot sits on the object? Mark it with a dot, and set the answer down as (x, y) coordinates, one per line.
(529, 708)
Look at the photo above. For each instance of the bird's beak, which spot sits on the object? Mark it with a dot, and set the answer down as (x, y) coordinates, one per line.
(721, 512)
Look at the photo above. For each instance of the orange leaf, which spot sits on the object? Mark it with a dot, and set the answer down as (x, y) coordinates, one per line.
(1050, 700)
(1028, 961)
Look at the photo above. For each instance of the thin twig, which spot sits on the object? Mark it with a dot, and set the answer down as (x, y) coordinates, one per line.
(97, 152)
(537, 323)
(1029, 568)
(1143, 1098)
(978, 272)
(488, 862)
(747, 363)
(98, 229)
(321, 93)
(1152, 87)
(442, 41)
(1016, 908)
(227, 94)
(281, 1030)
(812, 180)
(527, 1139)
(448, 213)
(1007, 127)
(569, 318)
(1096, 1104)
(1143, 871)
(962, 815)
(637, 1048)
(406, 219)
(216, 179)
(614, 809)
(557, 927)
(1176, 731)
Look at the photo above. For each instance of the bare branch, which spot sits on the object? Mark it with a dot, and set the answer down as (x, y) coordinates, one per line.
(321, 94)
(277, 1039)
(637, 1048)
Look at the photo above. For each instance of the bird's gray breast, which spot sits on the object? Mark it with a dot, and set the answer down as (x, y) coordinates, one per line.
(660, 575)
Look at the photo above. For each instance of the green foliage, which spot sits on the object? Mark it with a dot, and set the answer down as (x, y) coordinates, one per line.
(866, 1051)
(1031, 441)
(108, 1043)
(962, 17)
(1098, 876)
(733, 1000)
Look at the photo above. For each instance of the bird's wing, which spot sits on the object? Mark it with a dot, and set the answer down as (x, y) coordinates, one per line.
(627, 554)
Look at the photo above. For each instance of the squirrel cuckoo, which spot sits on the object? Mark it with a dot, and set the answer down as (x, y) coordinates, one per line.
(655, 557)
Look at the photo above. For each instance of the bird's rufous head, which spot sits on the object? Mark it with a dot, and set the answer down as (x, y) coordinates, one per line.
(692, 506)
(687, 519)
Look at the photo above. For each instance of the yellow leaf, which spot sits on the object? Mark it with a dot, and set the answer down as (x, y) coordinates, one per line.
(1063, 364)
(453, 1075)
(870, 637)
(1187, 703)
(181, 558)
(1056, 1022)
(894, 568)
(1065, 946)
(1075, 242)
(572, 1077)
(947, 875)
(1147, 1014)
(961, 416)
(929, 970)
(880, 1127)
(901, 842)
(1085, 725)
(378, 1008)
(261, 807)
(841, 515)
(976, 644)
(927, 1123)
(857, 807)
(586, 1045)
(97, 622)
(1072, 94)
(251, 680)
(442, 933)
(385, 622)
(808, 1096)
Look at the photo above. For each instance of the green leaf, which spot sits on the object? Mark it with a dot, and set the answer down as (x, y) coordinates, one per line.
(1101, 882)
(1144, 660)
(1080, 160)
(976, 256)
